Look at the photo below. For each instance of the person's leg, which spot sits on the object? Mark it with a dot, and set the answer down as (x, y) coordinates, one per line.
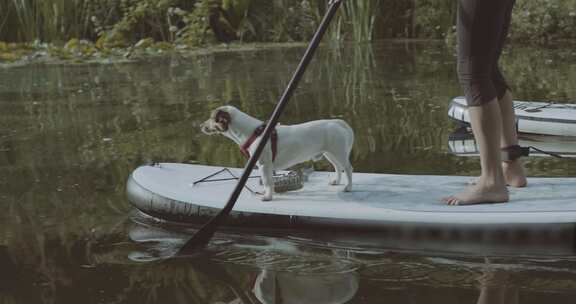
(480, 23)
(513, 170)
(490, 187)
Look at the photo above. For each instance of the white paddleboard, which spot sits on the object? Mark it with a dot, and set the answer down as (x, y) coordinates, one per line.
(167, 191)
(546, 118)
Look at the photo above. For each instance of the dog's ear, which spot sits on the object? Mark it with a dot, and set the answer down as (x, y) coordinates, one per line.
(223, 119)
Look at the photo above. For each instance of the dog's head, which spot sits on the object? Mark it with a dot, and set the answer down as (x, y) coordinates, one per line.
(219, 121)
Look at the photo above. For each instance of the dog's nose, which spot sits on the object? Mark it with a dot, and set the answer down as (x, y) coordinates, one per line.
(204, 127)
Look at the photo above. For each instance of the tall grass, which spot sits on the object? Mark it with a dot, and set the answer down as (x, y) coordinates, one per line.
(361, 16)
(51, 20)
(28, 20)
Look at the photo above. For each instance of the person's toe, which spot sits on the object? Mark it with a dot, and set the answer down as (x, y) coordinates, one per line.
(450, 200)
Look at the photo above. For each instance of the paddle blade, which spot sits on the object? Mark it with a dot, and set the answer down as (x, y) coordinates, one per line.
(201, 238)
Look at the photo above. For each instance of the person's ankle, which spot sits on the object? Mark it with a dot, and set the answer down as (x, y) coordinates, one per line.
(491, 182)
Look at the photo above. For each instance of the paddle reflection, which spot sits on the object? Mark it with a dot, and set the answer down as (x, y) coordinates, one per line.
(275, 271)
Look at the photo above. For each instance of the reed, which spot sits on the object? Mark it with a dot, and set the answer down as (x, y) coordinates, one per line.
(30, 20)
(361, 16)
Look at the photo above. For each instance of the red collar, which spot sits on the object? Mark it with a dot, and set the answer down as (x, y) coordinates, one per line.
(257, 132)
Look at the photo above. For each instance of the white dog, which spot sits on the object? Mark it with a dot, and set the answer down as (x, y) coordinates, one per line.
(295, 144)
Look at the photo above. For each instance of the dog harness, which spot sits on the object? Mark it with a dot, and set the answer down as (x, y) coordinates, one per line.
(257, 132)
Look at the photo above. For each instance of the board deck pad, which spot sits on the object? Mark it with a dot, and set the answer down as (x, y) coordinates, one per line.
(375, 197)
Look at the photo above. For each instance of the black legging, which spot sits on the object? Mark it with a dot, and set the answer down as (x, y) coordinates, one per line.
(482, 29)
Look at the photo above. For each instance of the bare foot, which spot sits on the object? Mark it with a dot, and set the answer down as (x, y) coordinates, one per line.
(513, 174)
(478, 194)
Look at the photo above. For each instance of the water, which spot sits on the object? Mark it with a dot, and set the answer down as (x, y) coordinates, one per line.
(71, 134)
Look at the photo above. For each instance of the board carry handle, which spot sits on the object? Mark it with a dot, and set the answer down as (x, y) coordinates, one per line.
(203, 236)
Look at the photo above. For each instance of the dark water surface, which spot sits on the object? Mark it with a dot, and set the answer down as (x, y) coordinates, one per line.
(70, 136)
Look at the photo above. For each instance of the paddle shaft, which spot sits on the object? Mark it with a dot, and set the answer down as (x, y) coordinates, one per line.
(203, 236)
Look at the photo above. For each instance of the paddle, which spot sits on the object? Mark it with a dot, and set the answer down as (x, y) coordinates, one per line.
(203, 236)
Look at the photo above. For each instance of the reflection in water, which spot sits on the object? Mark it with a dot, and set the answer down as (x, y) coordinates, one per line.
(496, 287)
(284, 273)
(70, 135)
(285, 269)
(273, 287)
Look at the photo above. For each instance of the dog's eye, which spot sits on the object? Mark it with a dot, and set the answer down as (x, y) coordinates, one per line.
(222, 117)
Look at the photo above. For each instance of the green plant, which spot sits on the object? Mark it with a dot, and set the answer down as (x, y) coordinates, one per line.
(140, 19)
(544, 21)
(55, 20)
(433, 18)
(362, 16)
(121, 23)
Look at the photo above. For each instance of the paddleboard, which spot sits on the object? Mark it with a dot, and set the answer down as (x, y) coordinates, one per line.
(464, 144)
(168, 191)
(546, 118)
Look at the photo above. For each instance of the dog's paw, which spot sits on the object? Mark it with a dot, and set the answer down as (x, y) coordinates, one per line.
(348, 188)
(265, 197)
(334, 181)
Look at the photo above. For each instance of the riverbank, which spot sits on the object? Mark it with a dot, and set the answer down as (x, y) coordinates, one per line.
(85, 52)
